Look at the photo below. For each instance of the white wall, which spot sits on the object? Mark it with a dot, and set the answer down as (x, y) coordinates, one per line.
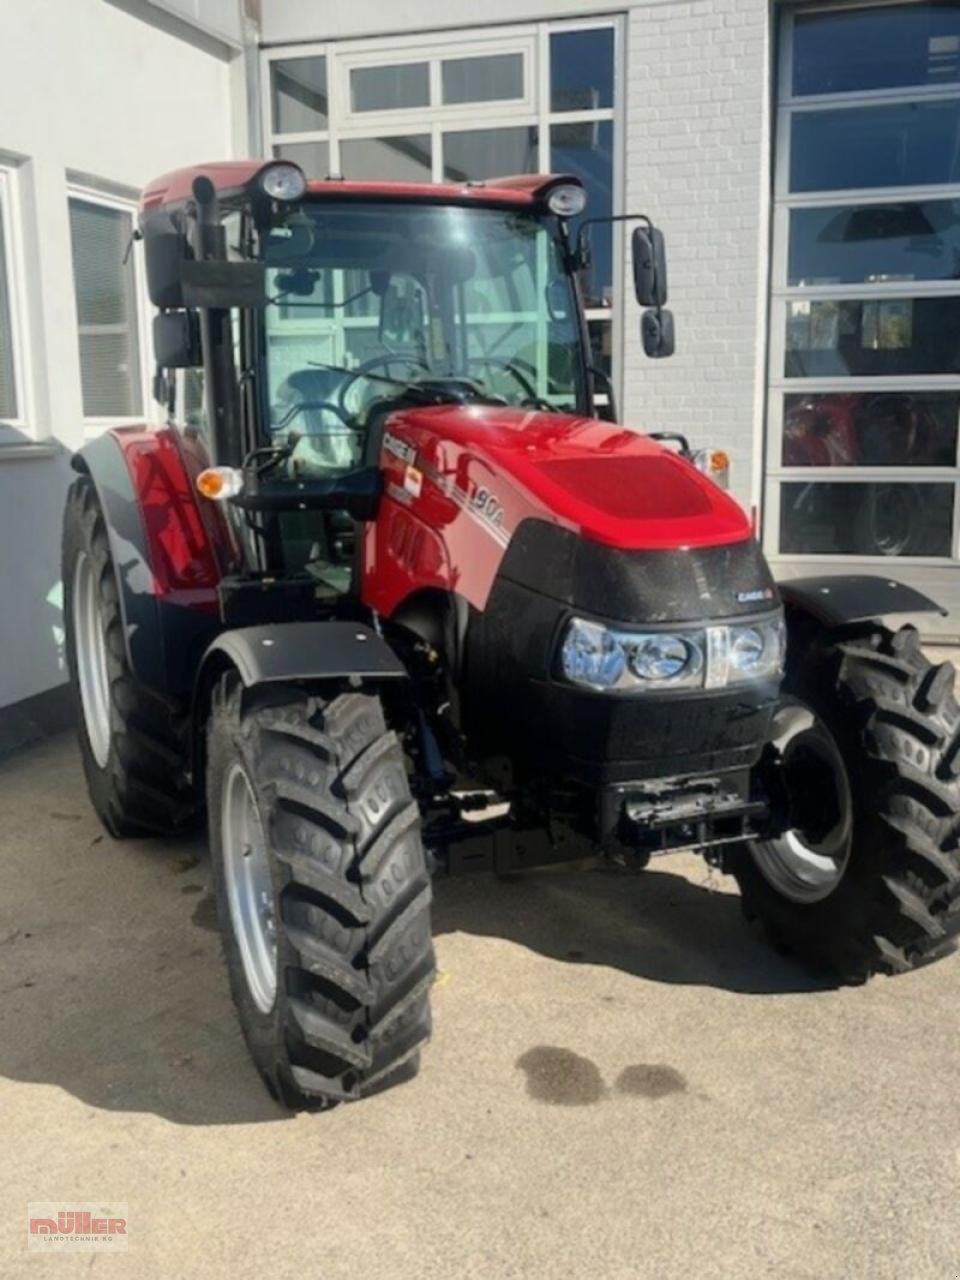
(289, 20)
(697, 160)
(89, 90)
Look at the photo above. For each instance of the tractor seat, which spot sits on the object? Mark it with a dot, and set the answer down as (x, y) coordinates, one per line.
(329, 441)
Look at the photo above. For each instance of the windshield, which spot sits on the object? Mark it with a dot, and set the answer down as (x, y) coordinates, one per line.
(371, 302)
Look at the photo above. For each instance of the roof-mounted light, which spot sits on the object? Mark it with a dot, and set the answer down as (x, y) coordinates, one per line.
(566, 200)
(283, 181)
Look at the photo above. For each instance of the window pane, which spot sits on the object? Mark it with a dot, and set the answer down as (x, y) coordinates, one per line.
(390, 88)
(879, 48)
(477, 291)
(866, 519)
(851, 244)
(581, 70)
(405, 159)
(587, 151)
(872, 337)
(312, 157)
(488, 79)
(894, 145)
(8, 386)
(479, 154)
(601, 347)
(299, 94)
(867, 429)
(106, 310)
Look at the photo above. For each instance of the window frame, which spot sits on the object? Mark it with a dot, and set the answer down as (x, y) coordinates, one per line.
(778, 385)
(150, 413)
(532, 111)
(23, 423)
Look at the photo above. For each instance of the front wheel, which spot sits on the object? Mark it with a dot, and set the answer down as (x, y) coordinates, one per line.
(322, 890)
(863, 771)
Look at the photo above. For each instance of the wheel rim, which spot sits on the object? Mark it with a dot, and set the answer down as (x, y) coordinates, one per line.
(91, 653)
(808, 861)
(249, 887)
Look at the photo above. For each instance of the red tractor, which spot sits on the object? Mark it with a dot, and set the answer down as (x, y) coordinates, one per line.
(387, 596)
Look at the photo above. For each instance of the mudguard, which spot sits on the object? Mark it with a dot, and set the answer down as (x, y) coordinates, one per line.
(305, 651)
(166, 564)
(836, 600)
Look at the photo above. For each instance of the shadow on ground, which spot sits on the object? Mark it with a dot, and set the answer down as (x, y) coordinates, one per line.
(111, 980)
(657, 925)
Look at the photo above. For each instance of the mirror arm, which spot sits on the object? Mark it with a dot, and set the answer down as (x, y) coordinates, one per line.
(580, 249)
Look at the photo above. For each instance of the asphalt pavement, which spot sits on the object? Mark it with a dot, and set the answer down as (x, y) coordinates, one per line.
(623, 1082)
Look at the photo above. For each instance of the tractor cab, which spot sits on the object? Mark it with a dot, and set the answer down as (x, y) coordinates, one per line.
(315, 311)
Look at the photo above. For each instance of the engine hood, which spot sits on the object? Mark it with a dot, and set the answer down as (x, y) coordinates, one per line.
(607, 483)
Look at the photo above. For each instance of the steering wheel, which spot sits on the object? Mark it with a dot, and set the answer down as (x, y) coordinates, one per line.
(303, 405)
(385, 361)
(498, 362)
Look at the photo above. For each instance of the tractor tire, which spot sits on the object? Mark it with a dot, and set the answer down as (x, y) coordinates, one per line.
(322, 888)
(131, 743)
(869, 748)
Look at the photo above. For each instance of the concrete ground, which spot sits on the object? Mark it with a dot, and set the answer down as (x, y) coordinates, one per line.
(623, 1082)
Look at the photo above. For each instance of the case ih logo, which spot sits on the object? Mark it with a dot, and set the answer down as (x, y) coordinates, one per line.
(77, 1228)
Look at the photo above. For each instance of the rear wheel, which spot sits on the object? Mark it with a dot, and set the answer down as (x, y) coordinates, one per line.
(864, 769)
(322, 890)
(130, 740)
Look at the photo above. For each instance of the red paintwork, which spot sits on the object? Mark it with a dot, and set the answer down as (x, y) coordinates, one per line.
(599, 480)
(470, 475)
(187, 553)
(232, 175)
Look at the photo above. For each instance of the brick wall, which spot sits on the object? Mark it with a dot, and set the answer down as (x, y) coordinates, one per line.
(697, 159)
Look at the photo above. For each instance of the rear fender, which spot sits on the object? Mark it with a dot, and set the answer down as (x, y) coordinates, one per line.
(167, 567)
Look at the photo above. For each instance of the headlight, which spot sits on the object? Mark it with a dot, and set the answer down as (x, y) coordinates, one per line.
(664, 657)
(592, 655)
(712, 657)
(603, 658)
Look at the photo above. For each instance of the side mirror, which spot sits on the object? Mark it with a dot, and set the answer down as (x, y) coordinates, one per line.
(656, 332)
(176, 340)
(649, 267)
(164, 251)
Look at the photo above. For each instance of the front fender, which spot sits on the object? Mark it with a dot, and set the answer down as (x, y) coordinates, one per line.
(318, 650)
(837, 600)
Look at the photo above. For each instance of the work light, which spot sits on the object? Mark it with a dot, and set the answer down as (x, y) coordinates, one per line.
(283, 181)
(567, 200)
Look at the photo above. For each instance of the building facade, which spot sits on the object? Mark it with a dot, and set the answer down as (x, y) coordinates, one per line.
(803, 161)
(96, 98)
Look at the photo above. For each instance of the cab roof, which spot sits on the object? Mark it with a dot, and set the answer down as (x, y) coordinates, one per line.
(229, 176)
